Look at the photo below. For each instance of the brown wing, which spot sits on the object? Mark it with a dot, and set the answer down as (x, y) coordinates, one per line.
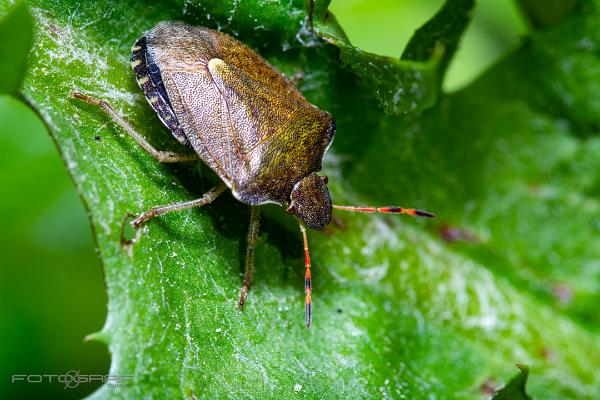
(245, 120)
(181, 54)
(281, 138)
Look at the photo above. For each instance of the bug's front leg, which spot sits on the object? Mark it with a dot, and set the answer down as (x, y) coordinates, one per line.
(307, 280)
(159, 155)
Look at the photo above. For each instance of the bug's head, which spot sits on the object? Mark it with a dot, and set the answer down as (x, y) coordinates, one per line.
(310, 201)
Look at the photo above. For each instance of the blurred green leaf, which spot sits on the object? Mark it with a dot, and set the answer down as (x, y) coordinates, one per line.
(443, 30)
(542, 13)
(566, 82)
(16, 34)
(48, 264)
(403, 307)
(412, 83)
(515, 389)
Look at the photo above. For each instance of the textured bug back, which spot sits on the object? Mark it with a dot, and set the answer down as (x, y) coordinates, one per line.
(245, 120)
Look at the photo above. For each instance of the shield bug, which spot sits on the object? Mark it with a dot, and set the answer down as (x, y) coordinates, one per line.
(242, 118)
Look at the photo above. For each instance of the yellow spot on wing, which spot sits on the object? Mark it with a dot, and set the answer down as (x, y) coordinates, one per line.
(136, 63)
(214, 64)
(136, 48)
(143, 80)
(153, 99)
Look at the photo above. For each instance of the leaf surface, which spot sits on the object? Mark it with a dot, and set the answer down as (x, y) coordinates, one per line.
(17, 30)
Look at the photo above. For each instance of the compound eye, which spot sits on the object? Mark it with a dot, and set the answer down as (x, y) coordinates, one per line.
(325, 179)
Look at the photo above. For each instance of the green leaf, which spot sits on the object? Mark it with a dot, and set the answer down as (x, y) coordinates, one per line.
(412, 83)
(515, 389)
(444, 30)
(16, 34)
(402, 307)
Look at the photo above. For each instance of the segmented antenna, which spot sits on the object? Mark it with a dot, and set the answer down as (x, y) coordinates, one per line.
(387, 210)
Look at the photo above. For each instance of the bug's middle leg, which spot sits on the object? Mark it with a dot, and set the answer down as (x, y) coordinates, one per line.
(207, 198)
(252, 236)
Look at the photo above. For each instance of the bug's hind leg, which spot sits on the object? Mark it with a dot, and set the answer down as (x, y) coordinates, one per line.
(207, 198)
(161, 156)
(252, 236)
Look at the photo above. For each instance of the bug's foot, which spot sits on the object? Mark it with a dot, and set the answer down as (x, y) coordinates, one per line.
(139, 221)
(129, 235)
(243, 294)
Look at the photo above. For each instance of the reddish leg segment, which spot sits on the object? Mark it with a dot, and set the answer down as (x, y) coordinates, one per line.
(390, 209)
(307, 280)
